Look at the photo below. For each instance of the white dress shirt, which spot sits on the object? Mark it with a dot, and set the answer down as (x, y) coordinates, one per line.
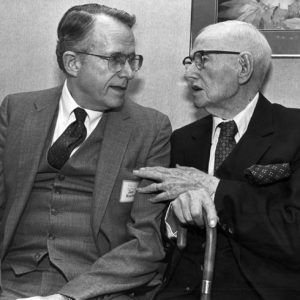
(242, 120)
(66, 115)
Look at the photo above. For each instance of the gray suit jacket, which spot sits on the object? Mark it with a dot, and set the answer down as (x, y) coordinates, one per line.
(127, 234)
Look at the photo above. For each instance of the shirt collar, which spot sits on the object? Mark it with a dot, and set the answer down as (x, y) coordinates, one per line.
(68, 104)
(242, 119)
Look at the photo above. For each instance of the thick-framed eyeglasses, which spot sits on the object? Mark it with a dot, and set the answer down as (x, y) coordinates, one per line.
(117, 61)
(199, 57)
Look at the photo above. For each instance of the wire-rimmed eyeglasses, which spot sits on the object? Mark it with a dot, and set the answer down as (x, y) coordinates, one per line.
(117, 61)
(199, 57)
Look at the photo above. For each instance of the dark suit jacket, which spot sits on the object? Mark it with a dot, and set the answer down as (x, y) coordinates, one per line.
(258, 250)
(127, 234)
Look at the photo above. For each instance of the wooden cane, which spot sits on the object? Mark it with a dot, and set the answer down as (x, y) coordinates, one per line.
(209, 256)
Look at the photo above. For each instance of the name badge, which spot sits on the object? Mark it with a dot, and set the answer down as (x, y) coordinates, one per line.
(128, 190)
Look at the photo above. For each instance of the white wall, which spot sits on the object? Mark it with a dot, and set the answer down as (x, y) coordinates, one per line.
(28, 62)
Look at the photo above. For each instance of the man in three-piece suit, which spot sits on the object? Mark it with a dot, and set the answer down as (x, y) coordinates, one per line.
(241, 164)
(71, 224)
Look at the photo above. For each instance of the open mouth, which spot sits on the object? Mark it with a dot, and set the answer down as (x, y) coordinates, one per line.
(196, 88)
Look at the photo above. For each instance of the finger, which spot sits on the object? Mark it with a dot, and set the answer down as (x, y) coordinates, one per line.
(184, 168)
(184, 201)
(149, 174)
(162, 197)
(151, 188)
(196, 208)
(210, 210)
(176, 207)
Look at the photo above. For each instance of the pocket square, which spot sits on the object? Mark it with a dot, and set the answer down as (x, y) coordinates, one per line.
(266, 174)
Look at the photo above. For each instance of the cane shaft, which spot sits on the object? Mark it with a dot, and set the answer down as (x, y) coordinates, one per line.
(209, 260)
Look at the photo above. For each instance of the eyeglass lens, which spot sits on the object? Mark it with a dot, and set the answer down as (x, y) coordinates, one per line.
(117, 62)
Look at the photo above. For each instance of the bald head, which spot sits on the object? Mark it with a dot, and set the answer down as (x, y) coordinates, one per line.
(240, 36)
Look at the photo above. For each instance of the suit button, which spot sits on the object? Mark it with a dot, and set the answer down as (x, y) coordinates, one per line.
(224, 227)
(201, 267)
(230, 230)
(187, 289)
(203, 245)
(51, 236)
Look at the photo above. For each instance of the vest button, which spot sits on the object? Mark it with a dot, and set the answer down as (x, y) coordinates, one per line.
(57, 190)
(37, 256)
(54, 211)
(51, 236)
(61, 177)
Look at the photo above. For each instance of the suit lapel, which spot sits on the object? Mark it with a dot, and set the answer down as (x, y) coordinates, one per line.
(252, 146)
(198, 148)
(117, 133)
(34, 134)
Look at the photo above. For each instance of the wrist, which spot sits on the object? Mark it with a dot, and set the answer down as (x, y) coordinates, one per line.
(213, 187)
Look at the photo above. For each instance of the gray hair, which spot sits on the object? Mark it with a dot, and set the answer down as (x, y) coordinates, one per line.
(245, 37)
(78, 22)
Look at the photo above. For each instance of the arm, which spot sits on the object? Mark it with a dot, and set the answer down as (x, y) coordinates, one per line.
(3, 132)
(136, 262)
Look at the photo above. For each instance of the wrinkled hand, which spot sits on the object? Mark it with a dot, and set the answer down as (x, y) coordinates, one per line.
(188, 208)
(51, 297)
(174, 181)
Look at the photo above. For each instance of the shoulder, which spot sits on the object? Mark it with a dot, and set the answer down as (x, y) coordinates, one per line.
(194, 128)
(286, 115)
(23, 99)
(145, 116)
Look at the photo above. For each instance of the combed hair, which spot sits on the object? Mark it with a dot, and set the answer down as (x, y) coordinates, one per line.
(246, 37)
(78, 21)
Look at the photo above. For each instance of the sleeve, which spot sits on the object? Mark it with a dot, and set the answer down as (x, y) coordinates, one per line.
(3, 133)
(136, 265)
(268, 216)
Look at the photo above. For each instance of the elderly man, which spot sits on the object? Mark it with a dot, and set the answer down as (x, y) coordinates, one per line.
(71, 224)
(242, 165)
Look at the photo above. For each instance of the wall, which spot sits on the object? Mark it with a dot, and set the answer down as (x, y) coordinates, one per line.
(28, 62)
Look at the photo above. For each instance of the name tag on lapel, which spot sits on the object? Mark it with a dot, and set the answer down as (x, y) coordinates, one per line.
(128, 190)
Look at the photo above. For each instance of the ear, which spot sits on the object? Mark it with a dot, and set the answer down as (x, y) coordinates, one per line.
(246, 67)
(72, 63)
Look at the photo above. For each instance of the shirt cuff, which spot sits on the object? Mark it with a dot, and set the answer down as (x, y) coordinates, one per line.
(171, 223)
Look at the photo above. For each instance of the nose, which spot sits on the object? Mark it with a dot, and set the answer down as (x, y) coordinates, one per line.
(192, 72)
(126, 71)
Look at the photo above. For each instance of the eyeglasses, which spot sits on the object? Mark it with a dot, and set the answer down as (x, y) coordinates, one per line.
(117, 61)
(199, 57)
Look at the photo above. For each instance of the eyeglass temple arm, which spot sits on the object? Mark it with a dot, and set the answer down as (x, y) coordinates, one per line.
(209, 257)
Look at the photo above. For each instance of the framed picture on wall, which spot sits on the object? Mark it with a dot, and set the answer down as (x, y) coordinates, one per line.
(279, 22)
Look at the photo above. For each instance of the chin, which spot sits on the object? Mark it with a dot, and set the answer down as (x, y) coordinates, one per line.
(115, 103)
(199, 103)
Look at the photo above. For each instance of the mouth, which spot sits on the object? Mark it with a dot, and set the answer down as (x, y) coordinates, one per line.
(196, 88)
(119, 88)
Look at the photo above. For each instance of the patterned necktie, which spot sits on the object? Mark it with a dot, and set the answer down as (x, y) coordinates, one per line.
(71, 138)
(226, 142)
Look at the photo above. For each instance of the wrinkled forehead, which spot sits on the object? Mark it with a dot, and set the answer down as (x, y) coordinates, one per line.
(214, 39)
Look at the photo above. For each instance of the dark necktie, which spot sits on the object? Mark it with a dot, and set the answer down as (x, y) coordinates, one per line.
(226, 142)
(71, 138)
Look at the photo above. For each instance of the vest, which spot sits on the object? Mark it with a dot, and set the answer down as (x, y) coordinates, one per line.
(57, 218)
